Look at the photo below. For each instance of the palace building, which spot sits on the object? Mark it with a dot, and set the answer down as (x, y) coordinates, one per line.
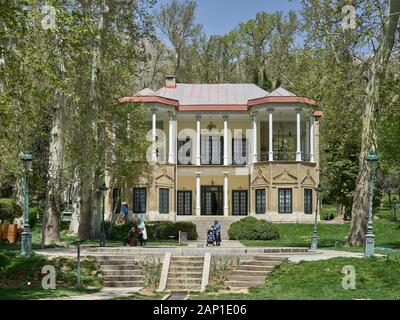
(229, 151)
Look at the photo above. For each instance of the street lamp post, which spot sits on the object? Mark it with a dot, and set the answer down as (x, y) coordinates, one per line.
(370, 237)
(103, 190)
(394, 208)
(26, 235)
(314, 239)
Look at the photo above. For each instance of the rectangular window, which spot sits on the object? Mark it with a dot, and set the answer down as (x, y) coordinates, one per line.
(184, 203)
(308, 201)
(211, 149)
(239, 151)
(239, 202)
(139, 200)
(260, 201)
(116, 204)
(285, 200)
(163, 200)
(184, 151)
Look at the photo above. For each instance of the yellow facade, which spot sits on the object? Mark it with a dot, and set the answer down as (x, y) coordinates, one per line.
(270, 176)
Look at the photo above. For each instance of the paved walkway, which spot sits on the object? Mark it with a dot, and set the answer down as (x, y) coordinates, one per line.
(323, 255)
(104, 294)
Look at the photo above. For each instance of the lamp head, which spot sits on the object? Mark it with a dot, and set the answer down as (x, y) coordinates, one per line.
(103, 189)
(373, 158)
(26, 157)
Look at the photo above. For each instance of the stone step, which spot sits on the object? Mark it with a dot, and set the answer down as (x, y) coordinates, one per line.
(260, 263)
(270, 258)
(263, 273)
(243, 284)
(247, 278)
(118, 257)
(118, 262)
(190, 281)
(255, 267)
(114, 267)
(122, 273)
(123, 284)
(187, 263)
(183, 287)
(185, 259)
(190, 274)
(123, 278)
(185, 269)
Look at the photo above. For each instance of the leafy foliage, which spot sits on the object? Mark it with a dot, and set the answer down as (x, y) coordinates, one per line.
(251, 228)
(151, 268)
(9, 210)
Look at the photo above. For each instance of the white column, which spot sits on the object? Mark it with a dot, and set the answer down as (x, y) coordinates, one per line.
(171, 134)
(226, 140)
(298, 126)
(154, 132)
(198, 193)
(312, 122)
(226, 194)
(307, 143)
(270, 135)
(254, 119)
(198, 133)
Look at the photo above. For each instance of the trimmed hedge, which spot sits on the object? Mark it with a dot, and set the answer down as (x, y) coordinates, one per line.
(160, 230)
(9, 210)
(250, 228)
(165, 230)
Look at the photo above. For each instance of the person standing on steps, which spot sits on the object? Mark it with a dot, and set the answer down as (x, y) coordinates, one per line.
(125, 212)
(217, 231)
(142, 232)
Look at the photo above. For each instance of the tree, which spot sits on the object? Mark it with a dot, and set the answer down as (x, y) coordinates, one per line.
(177, 22)
(369, 133)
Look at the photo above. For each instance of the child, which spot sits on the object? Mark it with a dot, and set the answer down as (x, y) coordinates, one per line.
(210, 236)
(131, 238)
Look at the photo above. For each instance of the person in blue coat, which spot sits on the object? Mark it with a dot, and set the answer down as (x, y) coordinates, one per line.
(217, 232)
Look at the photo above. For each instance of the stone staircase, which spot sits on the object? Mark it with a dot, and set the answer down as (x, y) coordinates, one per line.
(252, 273)
(185, 273)
(204, 223)
(120, 271)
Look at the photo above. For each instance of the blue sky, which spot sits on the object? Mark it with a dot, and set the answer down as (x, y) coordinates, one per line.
(221, 16)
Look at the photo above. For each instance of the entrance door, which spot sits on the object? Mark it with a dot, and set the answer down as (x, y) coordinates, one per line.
(184, 203)
(212, 201)
(239, 202)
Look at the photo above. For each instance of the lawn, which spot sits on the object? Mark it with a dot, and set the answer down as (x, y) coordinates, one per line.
(376, 278)
(21, 277)
(142, 296)
(387, 234)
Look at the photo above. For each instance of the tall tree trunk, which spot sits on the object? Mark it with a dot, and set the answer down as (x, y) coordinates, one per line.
(76, 203)
(90, 202)
(369, 135)
(51, 219)
(51, 226)
(341, 212)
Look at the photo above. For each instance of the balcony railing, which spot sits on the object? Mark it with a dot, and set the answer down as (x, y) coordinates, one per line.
(283, 156)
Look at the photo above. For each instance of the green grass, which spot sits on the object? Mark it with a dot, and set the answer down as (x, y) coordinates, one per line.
(138, 296)
(387, 234)
(38, 293)
(376, 278)
(21, 274)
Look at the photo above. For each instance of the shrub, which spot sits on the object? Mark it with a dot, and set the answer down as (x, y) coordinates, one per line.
(251, 228)
(9, 210)
(164, 230)
(151, 268)
(161, 230)
(33, 217)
